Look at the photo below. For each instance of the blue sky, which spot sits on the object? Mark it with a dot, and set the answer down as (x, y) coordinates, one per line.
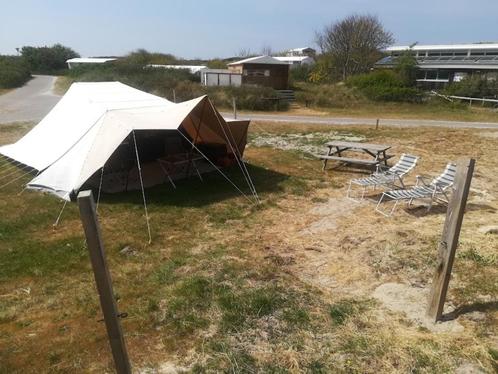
(218, 28)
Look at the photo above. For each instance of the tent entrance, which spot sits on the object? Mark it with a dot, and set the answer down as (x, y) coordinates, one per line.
(165, 157)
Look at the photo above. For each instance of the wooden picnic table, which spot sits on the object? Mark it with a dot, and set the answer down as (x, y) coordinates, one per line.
(337, 148)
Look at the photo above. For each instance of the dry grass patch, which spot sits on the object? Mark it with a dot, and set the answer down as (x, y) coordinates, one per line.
(229, 286)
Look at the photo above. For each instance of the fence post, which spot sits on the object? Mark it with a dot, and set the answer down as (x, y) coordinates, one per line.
(174, 95)
(103, 280)
(377, 124)
(449, 240)
(234, 104)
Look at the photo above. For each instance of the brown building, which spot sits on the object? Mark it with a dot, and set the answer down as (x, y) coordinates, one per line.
(262, 71)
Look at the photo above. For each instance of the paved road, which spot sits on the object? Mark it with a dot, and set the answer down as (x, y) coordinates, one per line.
(346, 121)
(30, 102)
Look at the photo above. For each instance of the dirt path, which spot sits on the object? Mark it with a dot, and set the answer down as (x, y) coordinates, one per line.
(30, 102)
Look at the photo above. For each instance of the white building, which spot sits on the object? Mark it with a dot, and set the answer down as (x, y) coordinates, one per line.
(194, 69)
(303, 51)
(441, 64)
(78, 61)
(220, 77)
(294, 61)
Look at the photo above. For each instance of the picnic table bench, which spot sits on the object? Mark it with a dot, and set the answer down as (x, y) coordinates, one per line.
(337, 148)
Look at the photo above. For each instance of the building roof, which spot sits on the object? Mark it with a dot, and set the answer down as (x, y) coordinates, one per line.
(267, 60)
(447, 62)
(293, 58)
(90, 60)
(440, 47)
(300, 49)
(192, 68)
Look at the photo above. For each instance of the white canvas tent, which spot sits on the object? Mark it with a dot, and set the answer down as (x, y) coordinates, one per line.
(89, 124)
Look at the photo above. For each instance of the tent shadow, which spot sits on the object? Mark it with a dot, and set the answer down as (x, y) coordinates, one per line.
(192, 192)
(470, 308)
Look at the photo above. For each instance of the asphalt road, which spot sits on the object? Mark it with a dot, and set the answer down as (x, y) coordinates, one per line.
(346, 121)
(30, 102)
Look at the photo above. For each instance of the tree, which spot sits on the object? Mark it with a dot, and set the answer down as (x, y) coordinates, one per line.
(354, 43)
(266, 50)
(406, 68)
(47, 59)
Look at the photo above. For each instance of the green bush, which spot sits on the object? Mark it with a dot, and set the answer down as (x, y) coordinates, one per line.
(14, 72)
(384, 85)
(475, 86)
(47, 59)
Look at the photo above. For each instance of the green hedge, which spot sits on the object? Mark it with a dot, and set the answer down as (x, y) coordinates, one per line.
(14, 72)
(384, 85)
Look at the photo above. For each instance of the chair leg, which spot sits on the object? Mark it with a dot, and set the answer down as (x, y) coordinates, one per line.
(377, 208)
(350, 196)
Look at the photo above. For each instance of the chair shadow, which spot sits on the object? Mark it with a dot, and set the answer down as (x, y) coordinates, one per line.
(491, 306)
(192, 192)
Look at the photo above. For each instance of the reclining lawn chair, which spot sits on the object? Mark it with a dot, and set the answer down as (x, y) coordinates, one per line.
(384, 176)
(436, 190)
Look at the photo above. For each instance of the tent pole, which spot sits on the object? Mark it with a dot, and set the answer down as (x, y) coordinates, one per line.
(196, 138)
(100, 189)
(56, 223)
(142, 185)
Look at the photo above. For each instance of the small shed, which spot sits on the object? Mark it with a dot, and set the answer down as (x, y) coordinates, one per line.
(262, 71)
(220, 77)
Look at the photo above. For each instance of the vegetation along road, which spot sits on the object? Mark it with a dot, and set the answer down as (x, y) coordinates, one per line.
(30, 102)
(348, 121)
(35, 99)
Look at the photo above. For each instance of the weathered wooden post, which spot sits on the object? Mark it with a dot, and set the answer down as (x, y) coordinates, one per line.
(449, 240)
(103, 280)
(377, 124)
(174, 95)
(234, 104)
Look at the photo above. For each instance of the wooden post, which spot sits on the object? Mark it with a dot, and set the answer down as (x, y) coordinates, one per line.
(234, 103)
(103, 280)
(377, 124)
(174, 95)
(449, 240)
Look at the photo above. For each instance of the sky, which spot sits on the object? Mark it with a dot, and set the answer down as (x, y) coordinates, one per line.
(215, 28)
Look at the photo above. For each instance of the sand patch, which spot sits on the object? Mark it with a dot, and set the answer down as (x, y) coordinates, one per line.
(412, 302)
(311, 143)
(331, 212)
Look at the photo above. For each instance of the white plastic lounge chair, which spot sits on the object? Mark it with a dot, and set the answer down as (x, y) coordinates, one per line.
(436, 190)
(385, 176)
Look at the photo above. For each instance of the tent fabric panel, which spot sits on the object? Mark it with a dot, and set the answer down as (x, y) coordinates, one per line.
(78, 110)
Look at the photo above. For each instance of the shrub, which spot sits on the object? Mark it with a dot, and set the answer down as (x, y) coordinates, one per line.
(475, 86)
(384, 85)
(47, 59)
(132, 70)
(14, 72)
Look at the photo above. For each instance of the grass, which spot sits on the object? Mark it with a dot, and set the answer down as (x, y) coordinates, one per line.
(227, 286)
